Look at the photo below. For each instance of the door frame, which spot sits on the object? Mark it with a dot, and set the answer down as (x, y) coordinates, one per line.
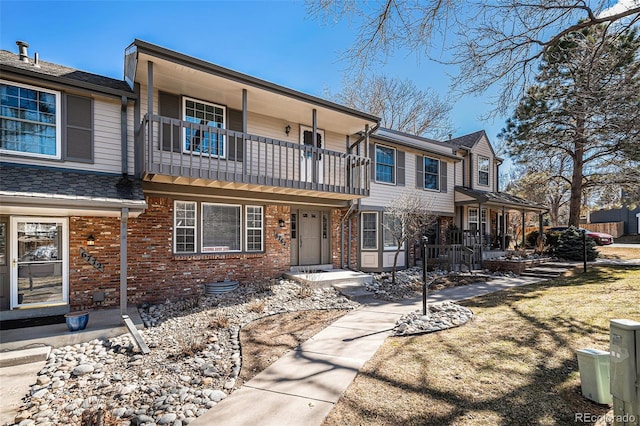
(13, 250)
(324, 228)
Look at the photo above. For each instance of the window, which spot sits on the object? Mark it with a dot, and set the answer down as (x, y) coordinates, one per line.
(220, 228)
(294, 225)
(184, 227)
(483, 171)
(254, 228)
(196, 138)
(392, 226)
(29, 120)
(385, 164)
(473, 220)
(431, 173)
(370, 231)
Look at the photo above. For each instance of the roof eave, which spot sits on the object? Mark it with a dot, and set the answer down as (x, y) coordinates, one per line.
(68, 82)
(171, 55)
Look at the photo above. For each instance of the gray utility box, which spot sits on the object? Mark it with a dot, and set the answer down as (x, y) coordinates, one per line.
(625, 370)
(594, 375)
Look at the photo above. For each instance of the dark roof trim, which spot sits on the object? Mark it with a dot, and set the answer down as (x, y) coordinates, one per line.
(499, 198)
(418, 147)
(65, 82)
(180, 58)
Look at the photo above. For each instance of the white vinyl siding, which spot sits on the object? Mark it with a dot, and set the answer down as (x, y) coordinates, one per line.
(483, 149)
(381, 194)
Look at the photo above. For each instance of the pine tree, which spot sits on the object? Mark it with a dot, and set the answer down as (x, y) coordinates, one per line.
(585, 108)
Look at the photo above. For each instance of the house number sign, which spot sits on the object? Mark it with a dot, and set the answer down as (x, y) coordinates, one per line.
(91, 260)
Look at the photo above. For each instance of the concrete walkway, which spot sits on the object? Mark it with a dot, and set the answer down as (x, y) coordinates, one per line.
(302, 387)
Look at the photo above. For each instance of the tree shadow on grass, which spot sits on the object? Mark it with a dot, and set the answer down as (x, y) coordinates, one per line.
(517, 366)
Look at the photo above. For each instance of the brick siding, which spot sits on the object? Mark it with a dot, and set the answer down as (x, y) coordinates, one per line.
(155, 274)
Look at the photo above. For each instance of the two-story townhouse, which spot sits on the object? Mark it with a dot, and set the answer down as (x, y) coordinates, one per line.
(243, 178)
(482, 211)
(66, 150)
(402, 163)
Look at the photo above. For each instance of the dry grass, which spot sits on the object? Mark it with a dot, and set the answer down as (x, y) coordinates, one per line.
(608, 252)
(267, 339)
(514, 364)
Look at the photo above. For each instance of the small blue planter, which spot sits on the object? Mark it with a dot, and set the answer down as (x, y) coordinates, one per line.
(77, 321)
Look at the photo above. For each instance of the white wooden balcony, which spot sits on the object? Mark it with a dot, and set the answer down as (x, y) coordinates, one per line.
(177, 151)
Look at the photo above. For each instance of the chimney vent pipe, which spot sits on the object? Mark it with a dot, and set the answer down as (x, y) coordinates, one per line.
(22, 50)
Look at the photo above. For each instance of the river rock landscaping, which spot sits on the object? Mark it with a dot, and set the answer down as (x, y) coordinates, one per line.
(195, 357)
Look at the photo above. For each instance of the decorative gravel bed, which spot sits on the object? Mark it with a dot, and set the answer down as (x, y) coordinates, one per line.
(195, 355)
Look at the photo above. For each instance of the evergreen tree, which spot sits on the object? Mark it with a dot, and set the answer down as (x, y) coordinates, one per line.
(570, 246)
(585, 108)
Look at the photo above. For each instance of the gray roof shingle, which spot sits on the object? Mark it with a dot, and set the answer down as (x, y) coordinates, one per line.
(51, 183)
(9, 59)
(467, 140)
(501, 198)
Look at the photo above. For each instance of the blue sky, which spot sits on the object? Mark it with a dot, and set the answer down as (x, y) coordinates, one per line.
(272, 40)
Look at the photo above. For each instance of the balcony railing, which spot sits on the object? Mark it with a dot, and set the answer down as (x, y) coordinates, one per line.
(180, 148)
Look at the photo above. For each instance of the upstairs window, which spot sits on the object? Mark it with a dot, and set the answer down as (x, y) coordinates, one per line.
(29, 120)
(197, 138)
(385, 164)
(431, 173)
(483, 171)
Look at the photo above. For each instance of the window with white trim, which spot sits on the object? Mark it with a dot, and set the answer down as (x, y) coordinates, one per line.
(385, 164)
(483, 171)
(29, 120)
(197, 138)
(431, 173)
(369, 225)
(254, 228)
(184, 227)
(220, 228)
(473, 220)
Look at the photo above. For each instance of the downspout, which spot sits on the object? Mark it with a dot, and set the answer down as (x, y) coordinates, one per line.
(124, 216)
(123, 135)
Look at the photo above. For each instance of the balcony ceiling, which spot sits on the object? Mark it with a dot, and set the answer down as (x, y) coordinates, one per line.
(204, 83)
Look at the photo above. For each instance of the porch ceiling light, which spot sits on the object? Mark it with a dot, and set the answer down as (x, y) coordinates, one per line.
(91, 240)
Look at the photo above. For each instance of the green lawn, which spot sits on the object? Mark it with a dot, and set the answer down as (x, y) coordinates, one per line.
(514, 364)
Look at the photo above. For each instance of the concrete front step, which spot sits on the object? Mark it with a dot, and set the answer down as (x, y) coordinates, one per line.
(24, 356)
(329, 278)
(539, 274)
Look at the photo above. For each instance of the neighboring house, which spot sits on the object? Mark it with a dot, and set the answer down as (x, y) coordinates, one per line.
(630, 217)
(404, 163)
(66, 152)
(481, 209)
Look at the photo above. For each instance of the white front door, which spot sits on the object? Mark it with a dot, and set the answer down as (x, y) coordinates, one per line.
(39, 261)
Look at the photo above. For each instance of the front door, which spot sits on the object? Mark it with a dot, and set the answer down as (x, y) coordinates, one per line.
(39, 261)
(309, 241)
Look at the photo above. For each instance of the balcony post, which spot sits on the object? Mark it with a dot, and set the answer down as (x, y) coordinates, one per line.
(245, 106)
(150, 109)
(314, 156)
